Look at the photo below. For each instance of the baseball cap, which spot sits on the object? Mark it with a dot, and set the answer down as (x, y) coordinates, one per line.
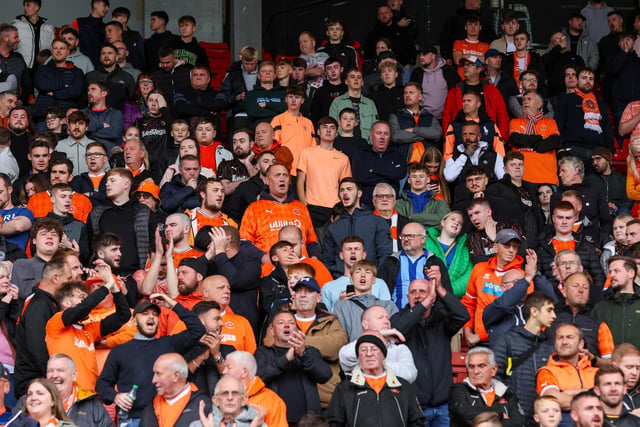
(149, 187)
(428, 48)
(198, 264)
(472, 59)
(491, 52)
(507, 235)
(142, 306)
(309, 283)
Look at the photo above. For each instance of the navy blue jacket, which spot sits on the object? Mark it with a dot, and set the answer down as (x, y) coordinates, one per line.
(372, 168)
(65, 84)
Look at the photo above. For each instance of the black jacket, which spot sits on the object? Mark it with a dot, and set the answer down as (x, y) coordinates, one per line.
(192, 53)
(466, 402)
(453, 29)
(428, 339)
(65, 84)
(582, 319)
(29, 340)
(91, 30)
(588, 256)
(120, 83)
(245, 194)
(595, 208)
(14, 64)
(355, 404)
(206, 376)
(176, 196)
(187, 418)
(372, 228)
(83, 184)
(152, 46)
(554, 61)
(124, 371)
(302, 373)
(535, 64)
(190, 102)
(243, 273)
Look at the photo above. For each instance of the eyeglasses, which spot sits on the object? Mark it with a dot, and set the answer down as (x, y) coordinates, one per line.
(411, 236)
(566, 263)
(144, 196)
(90, 155)
(384, 196)
(145, 81)
(529, 79)
(233, 393)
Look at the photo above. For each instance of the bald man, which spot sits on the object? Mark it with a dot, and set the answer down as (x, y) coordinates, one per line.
(178, 401)
(242, 365)
(376, 319)
(236, 330)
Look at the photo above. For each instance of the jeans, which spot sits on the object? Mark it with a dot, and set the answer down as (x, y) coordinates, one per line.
(130, 422)
(437, 416)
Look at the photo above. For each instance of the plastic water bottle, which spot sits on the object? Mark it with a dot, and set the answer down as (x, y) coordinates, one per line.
(123, 416)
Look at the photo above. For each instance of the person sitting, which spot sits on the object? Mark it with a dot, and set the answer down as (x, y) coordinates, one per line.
(484, 283)
(390, 399)
(105, 122)
(568, 371)
(198, 99)
(418, 202)
(528, 81)
(611, 183)
(481, 392)
(561, 237)
(412, 126)
(536, 137)
(242, 365)
(181, 193)
(266, 99)
(449, 244)
(472, 139)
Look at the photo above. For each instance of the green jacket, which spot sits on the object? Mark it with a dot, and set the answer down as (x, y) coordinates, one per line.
(621, 312)
(273, 100)
(461, 266)
(429, 217)
(368, 112)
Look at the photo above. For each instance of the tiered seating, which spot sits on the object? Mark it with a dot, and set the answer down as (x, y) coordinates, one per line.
(219, 60)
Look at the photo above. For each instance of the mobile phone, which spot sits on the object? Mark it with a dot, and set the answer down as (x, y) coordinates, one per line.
(350, 289)
(163, 235)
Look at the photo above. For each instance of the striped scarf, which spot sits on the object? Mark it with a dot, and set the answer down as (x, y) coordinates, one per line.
(532, 120)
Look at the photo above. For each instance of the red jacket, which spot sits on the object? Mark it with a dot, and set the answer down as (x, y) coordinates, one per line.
(493, 104)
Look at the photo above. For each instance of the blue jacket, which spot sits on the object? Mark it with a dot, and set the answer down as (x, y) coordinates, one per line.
(177, 196)
(65, 84)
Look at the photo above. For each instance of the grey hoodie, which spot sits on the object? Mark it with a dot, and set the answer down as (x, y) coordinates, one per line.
(434, 90)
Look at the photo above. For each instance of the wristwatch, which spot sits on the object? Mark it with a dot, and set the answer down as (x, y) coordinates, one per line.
(220, 359)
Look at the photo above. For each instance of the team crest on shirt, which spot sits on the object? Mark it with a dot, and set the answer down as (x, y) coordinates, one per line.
(543, 128)
(296, 211)
(229, 325)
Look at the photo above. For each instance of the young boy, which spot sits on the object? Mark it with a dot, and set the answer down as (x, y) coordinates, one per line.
(349, 311)
(75, 231)
(336, 47)
(56, 122)
(320, 170)
(284, 69)
(274, 288)
(470, 45)
(292, 129)
(547, 412)
(347, 142)
(298, 271)
(418, 202)
(186, 47)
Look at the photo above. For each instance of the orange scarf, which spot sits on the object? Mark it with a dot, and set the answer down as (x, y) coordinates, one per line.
(393, 228)
(591, 111)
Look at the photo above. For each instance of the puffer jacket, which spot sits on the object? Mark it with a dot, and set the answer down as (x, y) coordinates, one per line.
(461, 266)
(356, 404)
(466, 402)
(522, 380)
(26, 48)
(66, 85)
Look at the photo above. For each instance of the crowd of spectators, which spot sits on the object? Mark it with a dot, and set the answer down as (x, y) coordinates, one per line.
(310, 244)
